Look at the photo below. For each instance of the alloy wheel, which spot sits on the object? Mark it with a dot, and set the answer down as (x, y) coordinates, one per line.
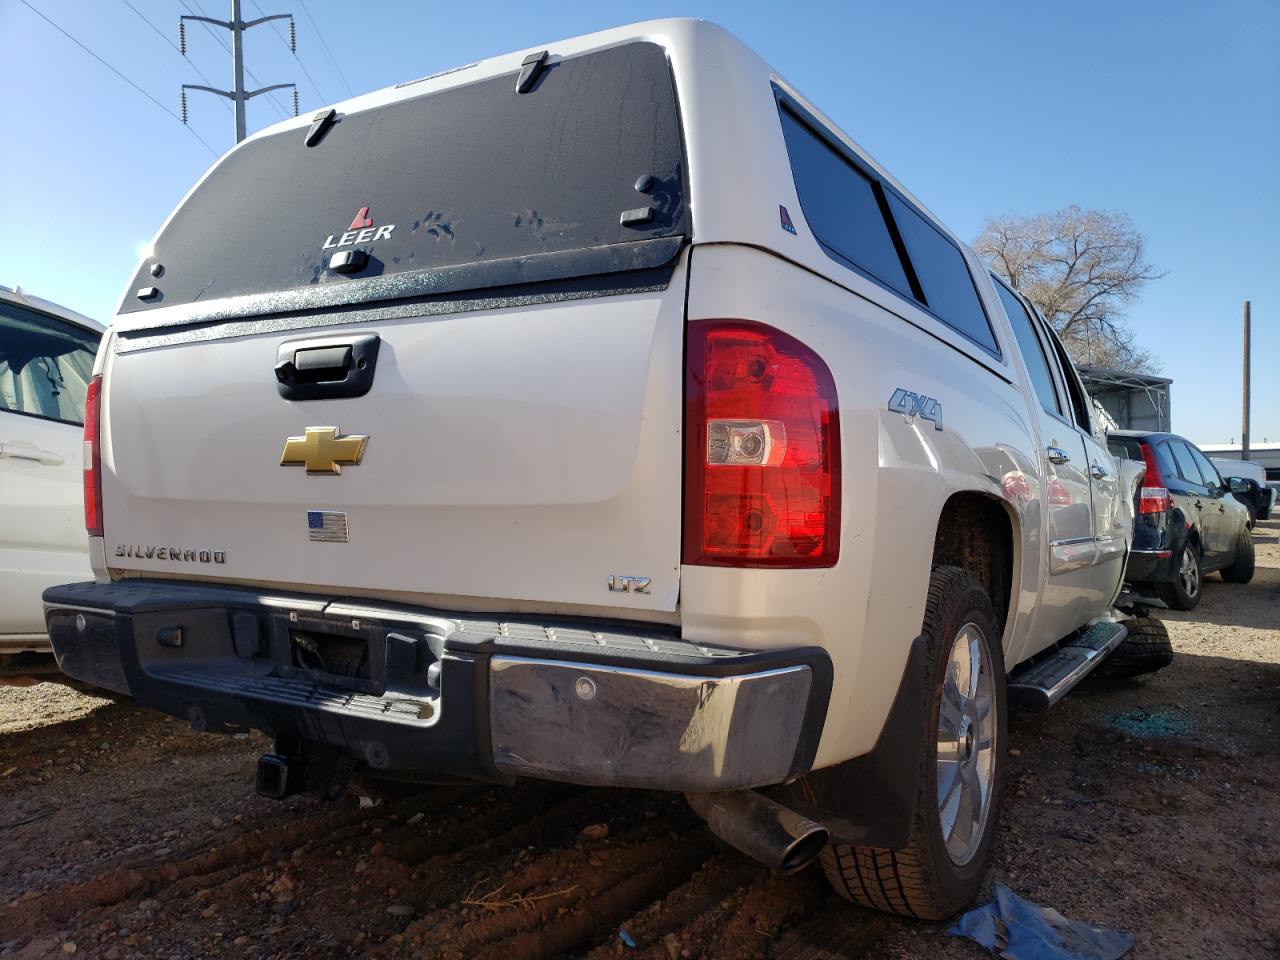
(966, 747)
(1189, 573)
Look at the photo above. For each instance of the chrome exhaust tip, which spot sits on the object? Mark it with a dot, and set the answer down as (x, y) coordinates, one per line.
(765, 831)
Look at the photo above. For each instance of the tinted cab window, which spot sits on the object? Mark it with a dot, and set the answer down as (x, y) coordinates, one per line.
(1031, 348)
(1075, 390)
(944, 276)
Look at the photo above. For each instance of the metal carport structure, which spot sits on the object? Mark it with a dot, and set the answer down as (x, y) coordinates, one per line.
(1136, 401)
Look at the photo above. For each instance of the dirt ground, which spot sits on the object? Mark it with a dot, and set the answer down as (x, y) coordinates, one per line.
(1150, 806)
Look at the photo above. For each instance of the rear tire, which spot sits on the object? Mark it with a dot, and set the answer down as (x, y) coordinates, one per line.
(1241, 569)
(1184, 590)
(934, 875)
(1146, 649)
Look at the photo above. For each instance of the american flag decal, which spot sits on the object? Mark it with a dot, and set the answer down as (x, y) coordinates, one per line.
(327, 526)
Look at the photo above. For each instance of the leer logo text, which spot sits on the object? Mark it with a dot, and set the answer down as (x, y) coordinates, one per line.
(361, 230)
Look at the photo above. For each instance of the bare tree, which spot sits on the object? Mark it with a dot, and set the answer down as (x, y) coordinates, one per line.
(1081, 268)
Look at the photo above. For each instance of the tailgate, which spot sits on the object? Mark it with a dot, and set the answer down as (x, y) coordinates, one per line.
(523, 454)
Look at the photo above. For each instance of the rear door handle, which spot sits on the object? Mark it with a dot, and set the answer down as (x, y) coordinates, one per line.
(25, 451)
(1057, 455)
(1098, 472)
(1199, 505)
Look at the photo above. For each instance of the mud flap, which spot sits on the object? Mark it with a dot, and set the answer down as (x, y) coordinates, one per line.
(870, 800)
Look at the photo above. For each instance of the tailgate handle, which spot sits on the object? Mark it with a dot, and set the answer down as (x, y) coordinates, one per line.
(321, 364)
(327, 368)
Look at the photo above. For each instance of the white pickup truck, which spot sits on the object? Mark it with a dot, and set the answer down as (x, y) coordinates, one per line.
(601, 413)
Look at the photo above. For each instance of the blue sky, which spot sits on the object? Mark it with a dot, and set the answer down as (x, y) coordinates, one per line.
(1167, 110)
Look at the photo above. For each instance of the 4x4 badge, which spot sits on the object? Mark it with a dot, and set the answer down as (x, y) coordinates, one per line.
(321, 450)
(912, 405)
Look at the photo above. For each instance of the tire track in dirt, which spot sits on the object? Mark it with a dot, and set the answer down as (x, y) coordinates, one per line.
(664, 928)
(450, 875)
(488, 814)
(390, 870)
(115, 886)
(838, 932)
(535, 870)
(559, 901)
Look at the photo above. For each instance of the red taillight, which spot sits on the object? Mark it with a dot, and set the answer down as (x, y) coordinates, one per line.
(1152, 477)
(92, 459)
(1154, 500)
(1153, 497)
(762, 450)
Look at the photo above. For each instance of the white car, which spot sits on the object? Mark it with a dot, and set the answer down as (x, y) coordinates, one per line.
(46, 355)
(602, 413)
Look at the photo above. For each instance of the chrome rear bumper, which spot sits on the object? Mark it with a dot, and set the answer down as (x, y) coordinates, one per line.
(615, 726)
(590, 702)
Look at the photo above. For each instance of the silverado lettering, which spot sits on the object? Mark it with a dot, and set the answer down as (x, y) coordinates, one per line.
(185, 554)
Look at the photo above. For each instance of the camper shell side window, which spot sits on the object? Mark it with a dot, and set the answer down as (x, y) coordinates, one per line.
(862, 222)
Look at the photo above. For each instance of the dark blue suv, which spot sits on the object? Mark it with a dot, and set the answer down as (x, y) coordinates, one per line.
(1187, 522)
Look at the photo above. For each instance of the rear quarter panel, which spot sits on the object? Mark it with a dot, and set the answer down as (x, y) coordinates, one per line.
(896, 477)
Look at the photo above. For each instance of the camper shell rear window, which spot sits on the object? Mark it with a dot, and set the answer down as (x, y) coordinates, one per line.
(470, 187)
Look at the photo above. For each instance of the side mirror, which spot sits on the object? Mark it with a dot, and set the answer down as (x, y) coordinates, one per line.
(1238, 484)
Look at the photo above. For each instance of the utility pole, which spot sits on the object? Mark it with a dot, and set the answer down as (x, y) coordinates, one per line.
(237, 94)
(1244, 421)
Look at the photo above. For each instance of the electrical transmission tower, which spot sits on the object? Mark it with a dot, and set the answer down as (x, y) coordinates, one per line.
(238, 95)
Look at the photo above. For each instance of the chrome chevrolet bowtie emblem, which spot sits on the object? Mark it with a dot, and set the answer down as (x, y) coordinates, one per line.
(321, 450)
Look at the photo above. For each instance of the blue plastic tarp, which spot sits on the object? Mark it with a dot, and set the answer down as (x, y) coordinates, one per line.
(1016, 929)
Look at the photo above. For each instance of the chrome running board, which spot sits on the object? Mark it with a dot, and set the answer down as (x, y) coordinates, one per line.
(1038, 686)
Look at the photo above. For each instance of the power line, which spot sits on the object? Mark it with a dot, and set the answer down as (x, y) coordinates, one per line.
(328, 52)
(169, 40)
(26, 4)
(271, 97)
(276, 30)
